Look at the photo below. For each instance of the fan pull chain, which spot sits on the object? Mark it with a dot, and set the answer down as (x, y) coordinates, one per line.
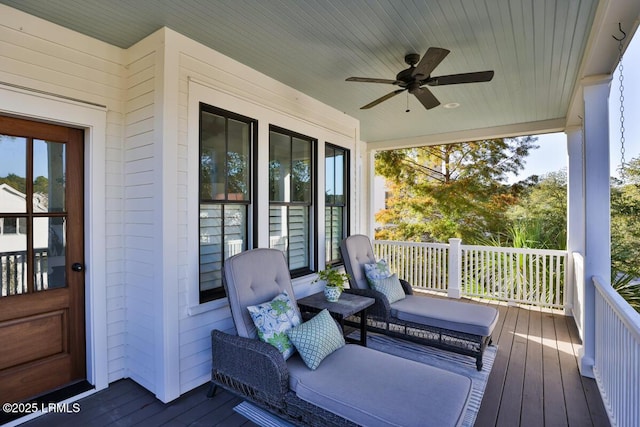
(407, 110)
(622, 140)
(621, 87)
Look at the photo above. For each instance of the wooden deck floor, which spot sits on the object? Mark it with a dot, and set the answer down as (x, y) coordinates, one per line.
(534, 382)
(535, 379)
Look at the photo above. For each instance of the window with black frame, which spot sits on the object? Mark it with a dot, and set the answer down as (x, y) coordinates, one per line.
(291, 188)
(336, 201)
(227, 142)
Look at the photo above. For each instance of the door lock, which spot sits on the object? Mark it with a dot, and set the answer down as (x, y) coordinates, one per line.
(77, 266)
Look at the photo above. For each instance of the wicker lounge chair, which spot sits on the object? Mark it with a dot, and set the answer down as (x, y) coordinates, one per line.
(451, 325)
(353, 385)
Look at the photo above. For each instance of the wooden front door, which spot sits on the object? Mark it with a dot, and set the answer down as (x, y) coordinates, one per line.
(42, 332)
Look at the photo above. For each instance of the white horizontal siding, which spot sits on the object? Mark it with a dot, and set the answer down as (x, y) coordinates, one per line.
(41, 56)
(139, 220)
(270, 103)
(140, 170)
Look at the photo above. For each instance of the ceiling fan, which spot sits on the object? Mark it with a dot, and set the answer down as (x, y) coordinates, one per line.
(413, 78)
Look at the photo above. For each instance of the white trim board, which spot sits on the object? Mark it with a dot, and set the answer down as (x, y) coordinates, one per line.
(41, 107)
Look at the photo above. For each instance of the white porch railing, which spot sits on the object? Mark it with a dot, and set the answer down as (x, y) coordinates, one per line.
(529, 276)
(13, 271)
(617, 355)
(424, 265)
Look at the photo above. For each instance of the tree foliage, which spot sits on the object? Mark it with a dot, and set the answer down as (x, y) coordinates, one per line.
(459, 191)
(454, 190)
(40, 184)
(539, 217)
(625, 233)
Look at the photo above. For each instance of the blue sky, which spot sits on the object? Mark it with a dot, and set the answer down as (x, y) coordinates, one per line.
(552, 154)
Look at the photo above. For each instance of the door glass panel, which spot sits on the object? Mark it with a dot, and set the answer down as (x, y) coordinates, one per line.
(49, 247)
(13, 256)
(13, 172)
(48, 176)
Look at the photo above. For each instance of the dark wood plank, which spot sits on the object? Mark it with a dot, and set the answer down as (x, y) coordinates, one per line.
(214, 408)
(126, 403)
(93, 406)
(490, 406)
(577, 410)
(511, 403)
(221, 416)
(592, 393)
(554, 408)
(532, 392)
(171, 410)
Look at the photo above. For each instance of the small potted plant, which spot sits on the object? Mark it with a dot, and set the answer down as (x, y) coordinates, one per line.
(334, 282)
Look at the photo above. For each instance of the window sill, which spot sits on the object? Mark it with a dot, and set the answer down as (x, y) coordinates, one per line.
(208, 306)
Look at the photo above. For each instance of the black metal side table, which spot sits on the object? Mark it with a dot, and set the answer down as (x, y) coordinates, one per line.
(347, 305)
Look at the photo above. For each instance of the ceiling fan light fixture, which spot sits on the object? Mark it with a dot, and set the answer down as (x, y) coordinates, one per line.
(451, 105)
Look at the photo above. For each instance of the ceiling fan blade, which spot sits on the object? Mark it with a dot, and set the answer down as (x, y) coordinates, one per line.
(429, 62)
(370, 80)
(454, 79)
(384, 98)
(426, 98)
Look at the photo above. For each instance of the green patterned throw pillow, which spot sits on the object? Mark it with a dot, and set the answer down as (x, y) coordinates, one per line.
(390, 287)
(273, 319)
(316, 338)
(377, 270)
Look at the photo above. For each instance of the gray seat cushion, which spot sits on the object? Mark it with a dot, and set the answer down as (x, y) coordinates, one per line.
(356, 252)
(458, 316)
(372, 388)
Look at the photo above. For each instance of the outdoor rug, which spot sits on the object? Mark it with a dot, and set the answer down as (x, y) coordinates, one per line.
(453, 362)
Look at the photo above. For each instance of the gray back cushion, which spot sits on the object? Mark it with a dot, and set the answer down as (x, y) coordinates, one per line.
(251, 278)
(356, 252)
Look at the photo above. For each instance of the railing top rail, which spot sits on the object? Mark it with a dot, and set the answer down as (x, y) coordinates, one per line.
(627, 314)
(418, 244)
(514, 250)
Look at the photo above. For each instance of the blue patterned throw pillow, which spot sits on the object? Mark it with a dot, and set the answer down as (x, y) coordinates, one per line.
(377, 270)
(317, 338)
(390, 287)
(273, 319)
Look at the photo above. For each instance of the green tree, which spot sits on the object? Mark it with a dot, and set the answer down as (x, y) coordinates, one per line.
(539, 219)
(14, 181)
(625, 233)
(453, 190)
(41, 185)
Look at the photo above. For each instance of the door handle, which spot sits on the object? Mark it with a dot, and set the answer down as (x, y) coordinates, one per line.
(77, 267)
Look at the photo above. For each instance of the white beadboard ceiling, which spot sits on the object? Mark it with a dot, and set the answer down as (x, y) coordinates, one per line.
(536, 48)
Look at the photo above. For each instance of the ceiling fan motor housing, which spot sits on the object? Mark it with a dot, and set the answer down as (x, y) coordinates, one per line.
(412, 58)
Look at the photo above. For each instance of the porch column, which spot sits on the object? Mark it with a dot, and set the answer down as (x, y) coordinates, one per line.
(574, 295)
(369, 174)
(455, 268)
(597, 261)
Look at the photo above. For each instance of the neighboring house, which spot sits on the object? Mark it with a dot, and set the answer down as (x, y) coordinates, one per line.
(158, 208)
(13, 241)
(13, 230)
